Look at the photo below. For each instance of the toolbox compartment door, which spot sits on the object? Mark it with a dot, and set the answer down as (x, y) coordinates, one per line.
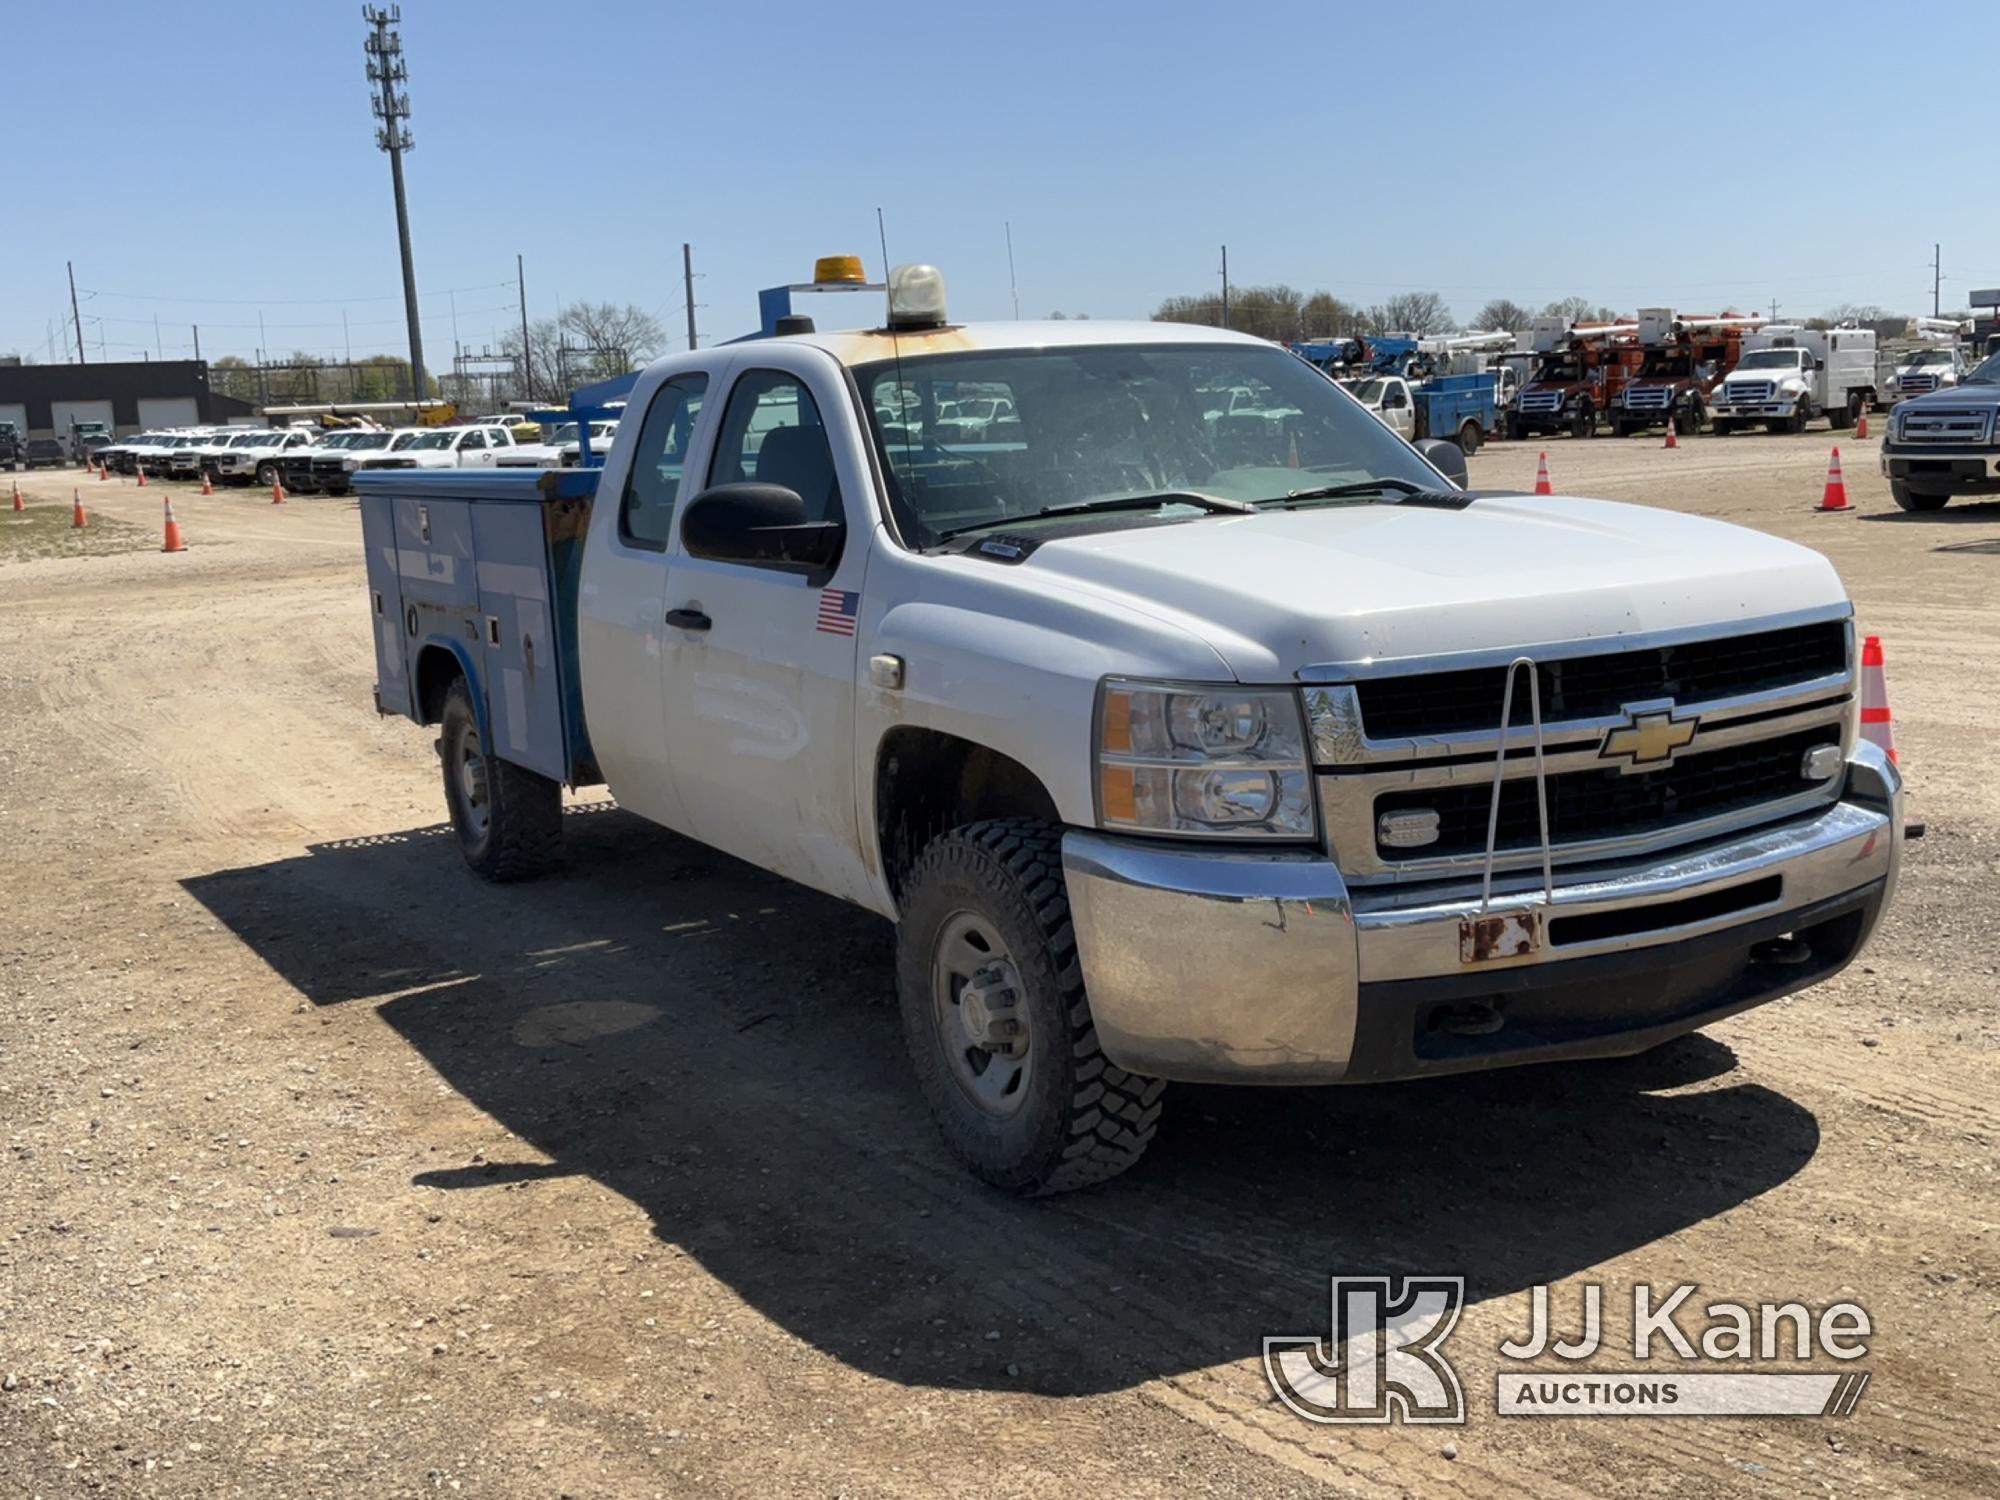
(521, 659)
(385, 605)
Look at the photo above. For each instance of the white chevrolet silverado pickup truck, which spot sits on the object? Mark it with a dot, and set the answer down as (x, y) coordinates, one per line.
(1300, 766)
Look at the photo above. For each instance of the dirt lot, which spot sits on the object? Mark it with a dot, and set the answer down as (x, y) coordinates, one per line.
(329, 1171)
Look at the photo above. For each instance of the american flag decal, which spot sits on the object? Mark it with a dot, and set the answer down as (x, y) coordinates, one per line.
(837, 609)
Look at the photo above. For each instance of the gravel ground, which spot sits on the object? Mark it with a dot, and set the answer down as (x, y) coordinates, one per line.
(330, 1171)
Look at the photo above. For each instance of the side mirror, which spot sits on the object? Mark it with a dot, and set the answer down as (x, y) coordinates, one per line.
(760, 523)
(1446, 457)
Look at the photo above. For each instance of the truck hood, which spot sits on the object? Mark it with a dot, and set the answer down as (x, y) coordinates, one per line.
(1277, 593)
(1958, 396)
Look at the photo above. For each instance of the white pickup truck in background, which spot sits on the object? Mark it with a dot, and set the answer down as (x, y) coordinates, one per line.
(1300, 764)
(441, 448)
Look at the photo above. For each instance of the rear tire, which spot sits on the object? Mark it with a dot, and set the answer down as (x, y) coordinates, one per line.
(1847, 415)
(1910, 500)
(1039, 1109)
(508, 818)
(1586, 422)
(1468, 438)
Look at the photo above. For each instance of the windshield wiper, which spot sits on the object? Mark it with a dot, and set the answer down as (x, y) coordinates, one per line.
(1214, 504)
(1406, 492)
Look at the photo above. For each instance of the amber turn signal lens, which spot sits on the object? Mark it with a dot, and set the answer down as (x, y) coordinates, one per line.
(1118, 794)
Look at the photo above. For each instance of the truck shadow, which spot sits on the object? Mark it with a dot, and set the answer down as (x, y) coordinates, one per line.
(722, 1049)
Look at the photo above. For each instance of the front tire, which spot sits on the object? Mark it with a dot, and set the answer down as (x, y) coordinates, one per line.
(998, 1025)
(1585, 425)
(508, 818)
(1911, 500)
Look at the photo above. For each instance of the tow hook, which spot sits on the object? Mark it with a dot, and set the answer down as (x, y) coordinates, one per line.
(1787, 952)
(1476, 1018)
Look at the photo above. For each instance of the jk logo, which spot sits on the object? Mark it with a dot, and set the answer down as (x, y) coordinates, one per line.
(1382, 1362)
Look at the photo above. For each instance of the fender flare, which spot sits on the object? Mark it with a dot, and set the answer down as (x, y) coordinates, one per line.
(466, 670)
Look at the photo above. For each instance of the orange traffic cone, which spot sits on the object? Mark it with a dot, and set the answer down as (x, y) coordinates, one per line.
(1835, 497)
(1861, 424)
(1292, 453)
(172, 542)
(1542, 477)
(142, 474)
(207, 486)
(277, 491)
(18, 505)
(1876, 725)
(1673, 424)
(77, 518)
(103, 472)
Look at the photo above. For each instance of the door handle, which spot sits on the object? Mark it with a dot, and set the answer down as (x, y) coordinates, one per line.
(688, 619)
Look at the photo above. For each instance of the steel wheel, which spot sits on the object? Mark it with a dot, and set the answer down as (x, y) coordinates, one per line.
(474, 796)
(982, 1026)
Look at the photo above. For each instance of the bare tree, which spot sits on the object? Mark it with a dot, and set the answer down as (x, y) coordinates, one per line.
(1503, 314)
(587, 342)
(1271, 312)
(1412, 312)
(1325, 316)
(1569, 309)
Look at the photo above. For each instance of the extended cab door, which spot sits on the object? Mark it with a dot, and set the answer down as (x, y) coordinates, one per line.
(473, 451)
(622, 633)
(760, 669)
(1397, 409)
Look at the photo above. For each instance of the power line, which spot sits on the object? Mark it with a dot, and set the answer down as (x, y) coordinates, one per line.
(484, 286)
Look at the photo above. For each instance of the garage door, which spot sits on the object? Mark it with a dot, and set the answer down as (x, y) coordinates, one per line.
(167, 411)
(15, 412)
(66, 412)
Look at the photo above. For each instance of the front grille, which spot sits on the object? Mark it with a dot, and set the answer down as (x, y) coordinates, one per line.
(1586, 806)
(1916, 385)
(1967, 425)
(1748, 390)
(1588, 687)
(1648, 397)
(1540, 401)
(328, 468)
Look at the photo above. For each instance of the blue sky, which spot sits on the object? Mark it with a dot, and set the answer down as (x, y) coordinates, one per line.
(208, 161)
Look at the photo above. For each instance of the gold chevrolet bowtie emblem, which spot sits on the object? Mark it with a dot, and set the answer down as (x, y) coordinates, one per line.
(1651, 738)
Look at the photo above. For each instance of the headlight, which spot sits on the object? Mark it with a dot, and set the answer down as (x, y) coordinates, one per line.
(1202, 761)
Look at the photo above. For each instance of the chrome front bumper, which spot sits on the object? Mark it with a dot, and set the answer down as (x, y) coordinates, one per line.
(1230, 967)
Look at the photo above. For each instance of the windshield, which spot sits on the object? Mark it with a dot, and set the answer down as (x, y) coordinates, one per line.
(1986, 372)
(1771, 359)
(253, 440)
(564, 434)
(1560, 369)
(1931, 359)
(1367, 392)
(1099, 422)
(441, 439)
(366, 440)
(403, 440)
(1666, 366)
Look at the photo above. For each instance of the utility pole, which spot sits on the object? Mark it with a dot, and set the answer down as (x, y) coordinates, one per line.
(527, 364)
(687, 282)
(1937, 280)
(157, 348)
(197, 341)
(1774, 309)
(391, 105)
(74, 313)
(1013, 286)
(1225, 286)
